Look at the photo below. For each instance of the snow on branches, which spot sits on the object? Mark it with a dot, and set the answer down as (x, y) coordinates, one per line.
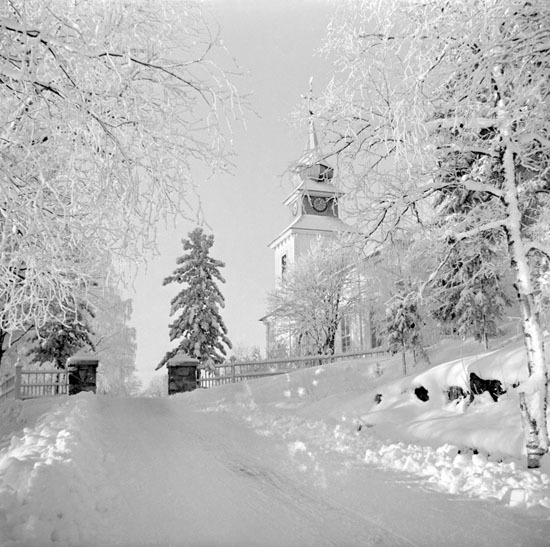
(105, 108)
(420, 114)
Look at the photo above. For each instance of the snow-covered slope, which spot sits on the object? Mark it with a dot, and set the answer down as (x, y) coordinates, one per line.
(308, 458)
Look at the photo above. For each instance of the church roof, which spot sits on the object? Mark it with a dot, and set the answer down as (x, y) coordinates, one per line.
(315, 223)
(312, 153)
(313, 188)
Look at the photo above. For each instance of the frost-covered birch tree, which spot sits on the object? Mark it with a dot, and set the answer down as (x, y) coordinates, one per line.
(443, 96)
(115, 344)
(106, 107)
(314, 295)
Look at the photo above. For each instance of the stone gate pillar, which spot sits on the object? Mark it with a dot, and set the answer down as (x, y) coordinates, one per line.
(182, 373)
(82, 374)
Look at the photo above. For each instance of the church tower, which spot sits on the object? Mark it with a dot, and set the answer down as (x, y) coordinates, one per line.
(314, 212)
(313, 207)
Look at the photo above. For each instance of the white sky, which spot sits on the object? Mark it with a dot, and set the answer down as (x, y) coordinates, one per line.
(276, 43)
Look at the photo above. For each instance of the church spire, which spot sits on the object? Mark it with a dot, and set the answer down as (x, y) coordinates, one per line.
(311, 154)
(313, 143)
(310, 164)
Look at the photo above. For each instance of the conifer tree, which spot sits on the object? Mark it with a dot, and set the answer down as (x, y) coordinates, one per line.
(58, 340)
(198, 325)
(469, 294)
(403, 324)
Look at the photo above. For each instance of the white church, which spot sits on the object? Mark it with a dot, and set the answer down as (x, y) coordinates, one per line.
(314, 214)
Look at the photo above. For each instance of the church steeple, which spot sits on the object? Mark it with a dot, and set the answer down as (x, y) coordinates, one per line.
(310, 165)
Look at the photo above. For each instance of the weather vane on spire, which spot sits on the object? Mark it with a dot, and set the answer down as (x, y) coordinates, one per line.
(309, 97)
(311, 152)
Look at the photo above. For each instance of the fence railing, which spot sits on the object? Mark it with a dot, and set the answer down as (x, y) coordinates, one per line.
(30, 384)
(239, 371)
(7, 387)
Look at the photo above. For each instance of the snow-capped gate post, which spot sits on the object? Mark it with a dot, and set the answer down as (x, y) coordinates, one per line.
(182, 373)
(82, 374)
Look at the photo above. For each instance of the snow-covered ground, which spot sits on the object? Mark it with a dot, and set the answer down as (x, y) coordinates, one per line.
(308, 458)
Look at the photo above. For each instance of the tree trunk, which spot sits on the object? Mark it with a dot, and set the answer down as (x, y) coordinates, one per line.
(2, 338)
(534, 452)
(536, 388)
(404, 360)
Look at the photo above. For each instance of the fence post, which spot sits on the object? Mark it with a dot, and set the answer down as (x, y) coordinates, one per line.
(182, 373)
(82, 374)
(17, 381)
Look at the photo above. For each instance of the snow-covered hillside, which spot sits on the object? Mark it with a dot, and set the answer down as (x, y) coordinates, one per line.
(345, 454)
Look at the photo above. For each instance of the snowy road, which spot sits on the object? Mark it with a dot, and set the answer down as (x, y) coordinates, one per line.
(210, 481)
(135, 472)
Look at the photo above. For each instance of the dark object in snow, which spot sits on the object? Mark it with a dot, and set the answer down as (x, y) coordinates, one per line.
(422, 393)
(378, 398)
(468, 451)
(479, 385)
(455, 392)
(359, 427)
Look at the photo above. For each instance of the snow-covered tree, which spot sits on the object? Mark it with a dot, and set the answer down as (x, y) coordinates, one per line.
(403, 323)
(105, 110)
(115, 344)
(246, 353)
(57, 340)
(411, 92)
(198, 324)
(471, 293)
(157, 387)
(314, 295)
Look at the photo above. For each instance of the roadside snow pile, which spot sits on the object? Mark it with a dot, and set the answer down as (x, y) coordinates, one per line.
(449, 470)
(474, 449)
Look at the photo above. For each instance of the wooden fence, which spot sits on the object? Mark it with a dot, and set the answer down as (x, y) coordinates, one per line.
(26, 384)
(239, 371)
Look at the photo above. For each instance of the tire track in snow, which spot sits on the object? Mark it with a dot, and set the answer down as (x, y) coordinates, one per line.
(213, 481)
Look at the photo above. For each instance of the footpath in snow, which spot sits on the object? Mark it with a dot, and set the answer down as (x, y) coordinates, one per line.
(301, 459)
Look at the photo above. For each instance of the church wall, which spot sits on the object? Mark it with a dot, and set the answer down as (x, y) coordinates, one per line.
(304, 242)
(285, 248)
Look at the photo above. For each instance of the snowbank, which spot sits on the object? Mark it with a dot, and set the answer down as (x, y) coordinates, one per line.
(290, 460)
(473, 449)
(58, 447)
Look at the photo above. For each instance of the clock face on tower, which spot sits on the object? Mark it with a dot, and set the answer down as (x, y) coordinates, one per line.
(320, 204)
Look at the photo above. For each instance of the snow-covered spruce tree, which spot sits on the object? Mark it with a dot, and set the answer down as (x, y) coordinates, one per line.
(105, 108)
(57, 340)
(469, 296)
(199, 327)
(409, 91)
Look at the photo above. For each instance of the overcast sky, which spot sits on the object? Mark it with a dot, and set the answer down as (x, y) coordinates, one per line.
(276, 43)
